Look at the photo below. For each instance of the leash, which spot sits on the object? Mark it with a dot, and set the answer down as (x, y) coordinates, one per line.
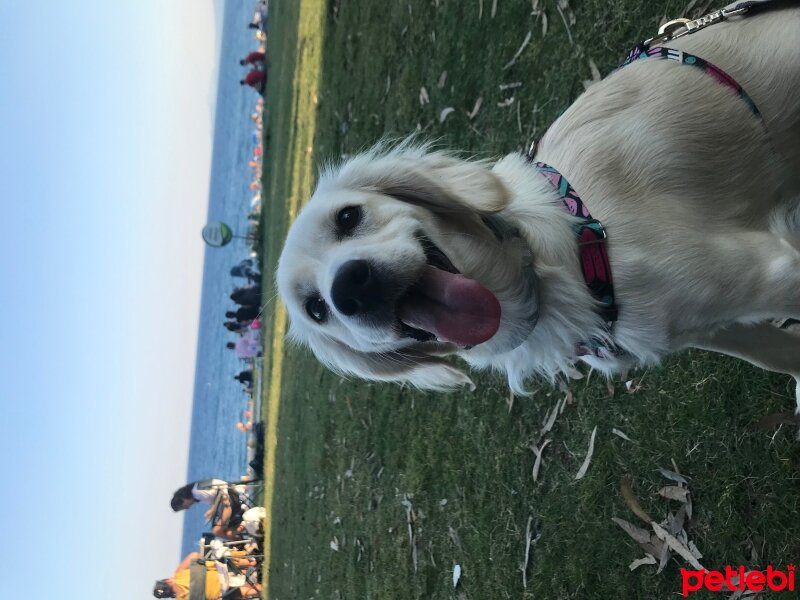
(672, 30)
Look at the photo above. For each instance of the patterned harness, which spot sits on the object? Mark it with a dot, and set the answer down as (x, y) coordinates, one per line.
(591, 234)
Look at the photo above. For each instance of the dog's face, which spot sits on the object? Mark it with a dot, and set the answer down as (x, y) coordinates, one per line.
(395, 262)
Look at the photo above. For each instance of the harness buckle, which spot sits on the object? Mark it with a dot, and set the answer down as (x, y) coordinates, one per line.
(596, 227)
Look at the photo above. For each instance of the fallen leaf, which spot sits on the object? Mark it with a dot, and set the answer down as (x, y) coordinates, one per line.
(588, 459)
(595, 71)
(517, 54)
(444, 113)
(637, 533)
(674, 492)
(475, 109)
(423, 96)
(648, 541)
(619, 433)
(564, 19)
(626, 486)
(550, 418)
(456, 574)
(695, 552)
(676, 546)
(673, 476)
(529, 539)
(538, 462)
(646, 560)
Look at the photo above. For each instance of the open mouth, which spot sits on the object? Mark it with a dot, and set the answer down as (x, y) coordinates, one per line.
(445, 305)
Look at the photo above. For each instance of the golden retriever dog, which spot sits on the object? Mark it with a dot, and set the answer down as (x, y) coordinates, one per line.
(405, 255)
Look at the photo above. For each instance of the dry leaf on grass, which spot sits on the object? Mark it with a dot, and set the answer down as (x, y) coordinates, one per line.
(595, 71)
(626, 486)
(506, 102)
(694, 550)
(410, 519)
(538, 462)
(646, 560)
(564, 6)
(588, 459)
(475, 109)
(442, 79)
(444, 113)
(648, 541)
(527, 553)
(619, 433)
(676, 546)
(638, 534)
(564, 19)
(529, 539)
(423, 96)
(453, 535)
(673, 476)
(674, 492)
(525, 42)
(550, 418)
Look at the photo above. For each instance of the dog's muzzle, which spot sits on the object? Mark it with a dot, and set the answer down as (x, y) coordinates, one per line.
(357, 288)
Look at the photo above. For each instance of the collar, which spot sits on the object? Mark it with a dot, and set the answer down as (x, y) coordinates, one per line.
(595, 265)
(505, 232)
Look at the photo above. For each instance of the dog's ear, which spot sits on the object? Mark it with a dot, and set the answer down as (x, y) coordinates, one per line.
(410, 366)
(434, 180)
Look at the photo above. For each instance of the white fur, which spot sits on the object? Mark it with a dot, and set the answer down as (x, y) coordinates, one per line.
(701, 204)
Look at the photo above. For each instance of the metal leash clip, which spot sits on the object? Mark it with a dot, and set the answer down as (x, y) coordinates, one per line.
(676, 28)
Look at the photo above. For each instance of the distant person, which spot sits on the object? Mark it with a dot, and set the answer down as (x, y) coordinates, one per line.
(177, 586)
(249, 296)
(217, 583)
(244, 313)
(249, 345)
(204, 491)
(244, 376)
(254, 58)
(260, 17)
(246, 272)
(256, 79)
(236, 327)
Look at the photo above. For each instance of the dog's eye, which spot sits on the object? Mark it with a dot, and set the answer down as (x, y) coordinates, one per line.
(317, 309)
(348, 218)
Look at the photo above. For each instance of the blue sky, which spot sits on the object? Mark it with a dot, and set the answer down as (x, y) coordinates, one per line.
(106, 112)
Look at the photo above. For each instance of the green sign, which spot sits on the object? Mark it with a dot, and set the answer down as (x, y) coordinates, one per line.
(217, 234)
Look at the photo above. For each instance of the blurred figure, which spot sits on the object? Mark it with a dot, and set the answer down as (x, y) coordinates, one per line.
(256, 79)
(254, 58)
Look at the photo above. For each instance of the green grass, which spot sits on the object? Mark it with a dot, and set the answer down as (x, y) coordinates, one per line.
(349, 451)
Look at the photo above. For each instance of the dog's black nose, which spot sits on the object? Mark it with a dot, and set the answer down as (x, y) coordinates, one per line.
(356, 288)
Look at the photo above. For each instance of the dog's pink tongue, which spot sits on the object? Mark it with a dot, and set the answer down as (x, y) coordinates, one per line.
(452, 307)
